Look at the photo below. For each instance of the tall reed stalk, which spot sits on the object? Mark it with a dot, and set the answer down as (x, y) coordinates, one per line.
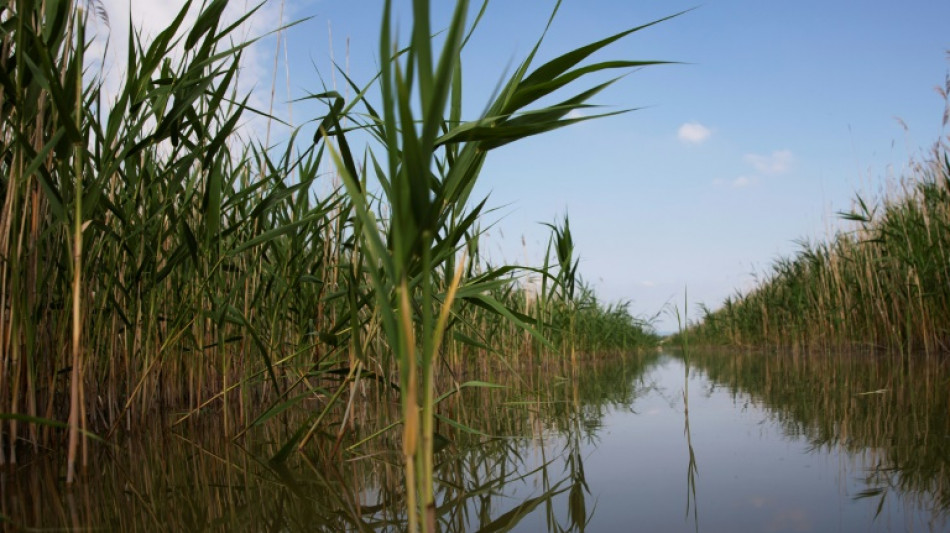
(78, 169)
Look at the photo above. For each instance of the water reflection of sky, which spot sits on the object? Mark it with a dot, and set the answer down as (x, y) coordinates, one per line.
(752, 476)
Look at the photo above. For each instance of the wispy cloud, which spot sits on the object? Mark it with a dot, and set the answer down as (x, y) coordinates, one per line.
(742, 181)
(778, 162)
(738, 183)
(693, 133)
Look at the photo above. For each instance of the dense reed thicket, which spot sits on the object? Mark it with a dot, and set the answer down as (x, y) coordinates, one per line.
(154, 261)
(885, 284)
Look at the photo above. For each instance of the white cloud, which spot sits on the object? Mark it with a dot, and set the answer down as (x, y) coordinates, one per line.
(742, 181)
(778, 162)
(648, 283)
(693, 132)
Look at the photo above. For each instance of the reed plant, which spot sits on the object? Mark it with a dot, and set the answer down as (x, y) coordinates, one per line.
(156, 265)
(432, 160)
(562, 288)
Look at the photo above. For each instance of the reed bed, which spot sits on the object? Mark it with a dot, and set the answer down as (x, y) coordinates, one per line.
(889, 415)
(156, 267)
(881, 285)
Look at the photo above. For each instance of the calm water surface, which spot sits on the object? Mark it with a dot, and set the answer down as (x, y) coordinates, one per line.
(738, 443)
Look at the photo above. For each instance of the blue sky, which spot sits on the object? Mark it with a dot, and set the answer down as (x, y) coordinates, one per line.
(778, 114)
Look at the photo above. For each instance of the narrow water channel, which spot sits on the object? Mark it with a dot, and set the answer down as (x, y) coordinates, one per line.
(763, 459)
(768, 443)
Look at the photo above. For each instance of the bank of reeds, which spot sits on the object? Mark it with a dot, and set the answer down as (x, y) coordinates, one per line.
(153, 262)
(884, 284)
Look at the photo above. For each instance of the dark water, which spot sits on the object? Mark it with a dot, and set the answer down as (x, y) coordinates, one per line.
(768, 443)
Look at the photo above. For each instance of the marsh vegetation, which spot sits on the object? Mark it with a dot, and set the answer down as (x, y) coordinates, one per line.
(215, 332)
(159, 269)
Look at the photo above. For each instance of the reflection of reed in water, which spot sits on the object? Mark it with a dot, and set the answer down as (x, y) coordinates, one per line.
(191, 478)
(692, 468)
(891, 415)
